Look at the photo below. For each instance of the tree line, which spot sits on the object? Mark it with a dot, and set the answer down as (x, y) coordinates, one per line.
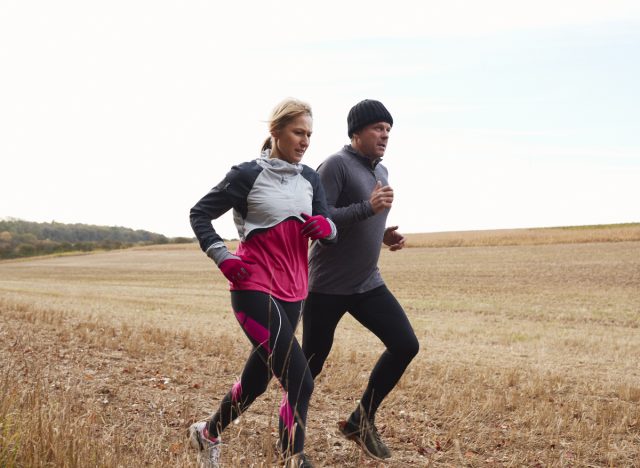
(19, 238)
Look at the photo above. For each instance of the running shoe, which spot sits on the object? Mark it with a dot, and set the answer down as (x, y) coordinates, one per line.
(365, 434)
(209, 450)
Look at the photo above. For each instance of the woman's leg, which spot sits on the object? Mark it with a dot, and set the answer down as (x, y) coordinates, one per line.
(253, 383)
(290, 367)
(270, 326)
(250, 309)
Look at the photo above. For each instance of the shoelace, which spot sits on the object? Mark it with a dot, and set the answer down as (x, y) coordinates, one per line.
(212, 448)
(376, 436)
(213, 454)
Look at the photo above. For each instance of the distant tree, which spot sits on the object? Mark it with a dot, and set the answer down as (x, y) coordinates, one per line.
(182, 240)
(19, 238)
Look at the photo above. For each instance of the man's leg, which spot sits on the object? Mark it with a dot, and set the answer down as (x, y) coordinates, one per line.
(320, 317)
(379, 311)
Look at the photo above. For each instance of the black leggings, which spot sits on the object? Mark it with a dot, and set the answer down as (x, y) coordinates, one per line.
(379, 311)
(270, 325)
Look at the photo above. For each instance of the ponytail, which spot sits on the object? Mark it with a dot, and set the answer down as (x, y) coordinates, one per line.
(266, 145)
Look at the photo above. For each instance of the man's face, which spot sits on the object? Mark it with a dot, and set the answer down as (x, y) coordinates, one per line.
(372, 140)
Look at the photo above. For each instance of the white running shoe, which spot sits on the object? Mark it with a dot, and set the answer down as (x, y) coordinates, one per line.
(209, 451)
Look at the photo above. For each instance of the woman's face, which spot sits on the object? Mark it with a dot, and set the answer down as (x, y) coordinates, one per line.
(292, 141)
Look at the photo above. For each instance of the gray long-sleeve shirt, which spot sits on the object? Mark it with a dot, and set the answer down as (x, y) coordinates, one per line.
(351, 265)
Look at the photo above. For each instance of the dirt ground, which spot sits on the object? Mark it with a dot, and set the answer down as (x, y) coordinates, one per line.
(528, 358)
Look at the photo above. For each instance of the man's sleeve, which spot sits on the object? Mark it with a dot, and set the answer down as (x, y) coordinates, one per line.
(343, 210)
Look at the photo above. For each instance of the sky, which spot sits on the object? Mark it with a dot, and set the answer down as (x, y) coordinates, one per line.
(507, 114)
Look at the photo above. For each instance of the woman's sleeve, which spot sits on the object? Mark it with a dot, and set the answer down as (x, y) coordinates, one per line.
(232, 192)
(319, 207)
(213, 205)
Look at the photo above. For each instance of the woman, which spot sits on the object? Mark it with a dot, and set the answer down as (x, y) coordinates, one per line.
(267, 274)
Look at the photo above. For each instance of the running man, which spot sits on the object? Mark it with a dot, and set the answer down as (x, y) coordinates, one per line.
(344, 277)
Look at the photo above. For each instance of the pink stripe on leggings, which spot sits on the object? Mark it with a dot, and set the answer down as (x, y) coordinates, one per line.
(254, 330)
(286, 414)
(236, 391)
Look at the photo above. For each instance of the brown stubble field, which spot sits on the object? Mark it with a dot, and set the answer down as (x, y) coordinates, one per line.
(529, 357)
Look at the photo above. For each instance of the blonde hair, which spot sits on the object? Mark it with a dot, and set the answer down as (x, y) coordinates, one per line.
(286, 111)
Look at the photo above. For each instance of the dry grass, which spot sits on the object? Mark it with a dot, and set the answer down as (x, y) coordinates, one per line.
(529, 358)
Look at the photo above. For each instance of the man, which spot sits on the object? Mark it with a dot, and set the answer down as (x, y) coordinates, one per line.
(344, 277)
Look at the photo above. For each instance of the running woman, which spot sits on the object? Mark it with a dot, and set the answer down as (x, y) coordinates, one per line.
(278, 205)
(345, 277)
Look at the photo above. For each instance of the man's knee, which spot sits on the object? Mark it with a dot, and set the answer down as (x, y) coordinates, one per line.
(407, 348)
(413, 347)
(315, 365)
(307, 384)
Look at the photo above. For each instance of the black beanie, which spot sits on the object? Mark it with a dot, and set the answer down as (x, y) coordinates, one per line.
(367, 112)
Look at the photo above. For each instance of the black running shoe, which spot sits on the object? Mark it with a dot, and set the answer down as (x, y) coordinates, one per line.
(365, 434)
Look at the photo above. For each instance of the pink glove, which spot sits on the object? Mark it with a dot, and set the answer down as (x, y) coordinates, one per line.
(235, 269)
(316, 227)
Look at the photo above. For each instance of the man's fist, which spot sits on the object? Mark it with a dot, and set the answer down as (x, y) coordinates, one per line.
(381, 197)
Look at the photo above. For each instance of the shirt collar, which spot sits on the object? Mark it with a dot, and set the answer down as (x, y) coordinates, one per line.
(366, 161)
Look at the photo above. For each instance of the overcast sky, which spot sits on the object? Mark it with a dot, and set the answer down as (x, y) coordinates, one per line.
(507, 113)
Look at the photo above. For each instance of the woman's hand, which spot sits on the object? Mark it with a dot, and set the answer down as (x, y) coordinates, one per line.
(316, 227)
(235, 269)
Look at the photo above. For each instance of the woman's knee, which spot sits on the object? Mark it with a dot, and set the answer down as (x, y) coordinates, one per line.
(301, 392)
(254, 388)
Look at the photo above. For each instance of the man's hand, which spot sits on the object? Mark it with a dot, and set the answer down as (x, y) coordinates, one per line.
(381, 197)
(393, 238)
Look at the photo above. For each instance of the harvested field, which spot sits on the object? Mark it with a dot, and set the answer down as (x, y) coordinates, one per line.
(533, 236)
(528, 358)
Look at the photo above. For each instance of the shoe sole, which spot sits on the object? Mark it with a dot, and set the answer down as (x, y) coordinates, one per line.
(194, 438)
(196, 442)
(354, 437)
